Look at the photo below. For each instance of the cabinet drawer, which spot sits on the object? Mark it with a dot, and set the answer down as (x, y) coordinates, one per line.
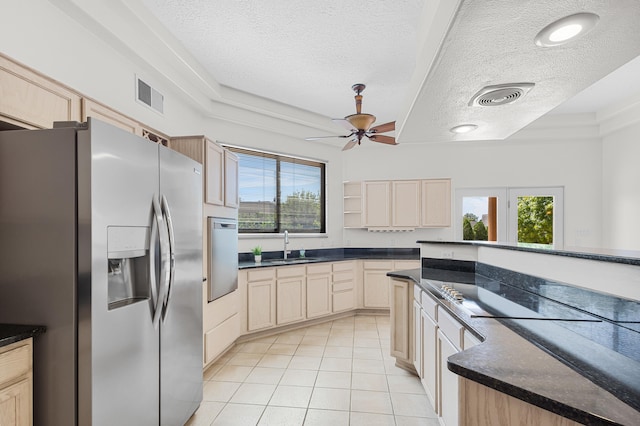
(290, 271)
(15, 362)
(343, 266)
(343, 276)
(429, 305)
(321, 268)
(342, 286)
(417, 294)
(343, 301)
(386, 265)
(261, 274)
(451, 328)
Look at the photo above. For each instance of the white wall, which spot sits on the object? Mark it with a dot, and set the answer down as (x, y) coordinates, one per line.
(555, 151)
(536, 156)
(621, 189)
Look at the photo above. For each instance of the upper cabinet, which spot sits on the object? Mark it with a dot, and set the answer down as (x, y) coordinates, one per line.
(436, 203)
(220, 166)
(93, 109)
(31, 101)
(377, 212)
(398, 205)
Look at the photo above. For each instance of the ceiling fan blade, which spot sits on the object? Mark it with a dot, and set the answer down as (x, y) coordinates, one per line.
(383, 139)
(315, 138)
(350, 144)
(345, 123)
(382, 128)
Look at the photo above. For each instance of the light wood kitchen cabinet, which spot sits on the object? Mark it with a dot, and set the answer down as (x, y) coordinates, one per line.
(32, 101)
(16, 384)
(343, 284)
(429, 343)
(318, 290)
(261, 299)
(91, 108)
(290, 294)
(416, 343)
(436, 203)
(231, 194)
(400, 320)
(405, 203)
(214, 174)
(220, 168)
(448, 383)
(376, 283)
(377, 198)
(483, 406)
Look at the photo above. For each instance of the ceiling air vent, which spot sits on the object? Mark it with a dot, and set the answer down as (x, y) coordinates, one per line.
(500, 94)
(149, 96)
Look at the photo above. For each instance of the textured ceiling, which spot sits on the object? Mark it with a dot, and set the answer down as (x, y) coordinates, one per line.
(491, 42)
(421, 60)
(304, 53)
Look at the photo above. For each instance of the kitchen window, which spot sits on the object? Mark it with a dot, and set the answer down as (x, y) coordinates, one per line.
(279, 193)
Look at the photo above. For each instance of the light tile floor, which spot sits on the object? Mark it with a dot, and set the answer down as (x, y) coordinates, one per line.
(335, 373)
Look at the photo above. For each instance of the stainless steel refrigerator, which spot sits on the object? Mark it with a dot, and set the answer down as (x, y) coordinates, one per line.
(101, 241)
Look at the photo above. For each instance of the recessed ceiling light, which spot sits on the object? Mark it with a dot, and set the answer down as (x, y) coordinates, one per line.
(566, 29)
(463, 128)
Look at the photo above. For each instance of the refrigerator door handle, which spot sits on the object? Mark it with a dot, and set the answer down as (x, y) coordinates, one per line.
(153, 279)
(172, 255)
(164, 262)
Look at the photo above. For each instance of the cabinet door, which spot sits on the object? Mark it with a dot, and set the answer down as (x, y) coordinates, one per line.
(376, 289)
(96, 110)
(377, 211)
(436, 203)
(448, 395)
(400, 319)
(30, 100)
(231, 179)
(430, 359)
(405, 204)
(318, 295)
(15, 404)
(261, 304)
(290, 299)
(214, 174)
(417, 338)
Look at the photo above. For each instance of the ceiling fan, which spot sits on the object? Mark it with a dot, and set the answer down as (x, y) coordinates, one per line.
(359, 125)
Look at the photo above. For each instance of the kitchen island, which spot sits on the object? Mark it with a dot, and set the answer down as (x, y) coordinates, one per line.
(563, 348)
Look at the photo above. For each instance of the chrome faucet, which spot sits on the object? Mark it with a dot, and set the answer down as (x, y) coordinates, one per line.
(286, 241)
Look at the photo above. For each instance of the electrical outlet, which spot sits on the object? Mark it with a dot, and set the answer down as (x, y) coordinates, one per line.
(447, 254)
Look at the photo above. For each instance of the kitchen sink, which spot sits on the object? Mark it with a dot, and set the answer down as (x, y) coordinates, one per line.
(290, 261)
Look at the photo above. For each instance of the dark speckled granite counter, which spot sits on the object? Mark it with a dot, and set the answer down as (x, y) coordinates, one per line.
(245, 260)
(589, 382)
(11, 333)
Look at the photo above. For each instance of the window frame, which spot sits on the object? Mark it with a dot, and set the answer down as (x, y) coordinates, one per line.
(279, 158)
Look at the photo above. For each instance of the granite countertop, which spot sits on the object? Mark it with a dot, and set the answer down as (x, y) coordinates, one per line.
(11, 333)
(511, 362)
(245, 260)
(627, 257)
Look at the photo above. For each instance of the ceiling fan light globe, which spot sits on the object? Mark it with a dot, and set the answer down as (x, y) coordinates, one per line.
(361, 121)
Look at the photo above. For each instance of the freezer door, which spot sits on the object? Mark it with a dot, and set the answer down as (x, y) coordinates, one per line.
(181, 324)
(118, 345)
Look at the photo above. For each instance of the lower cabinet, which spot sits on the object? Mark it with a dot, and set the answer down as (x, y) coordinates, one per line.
(16, 384)
(261, 299)
(448, 383)
(318, 290)
(429, 343)
(343, 286)
(290, 295)
(376, 283)
(400, 320)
